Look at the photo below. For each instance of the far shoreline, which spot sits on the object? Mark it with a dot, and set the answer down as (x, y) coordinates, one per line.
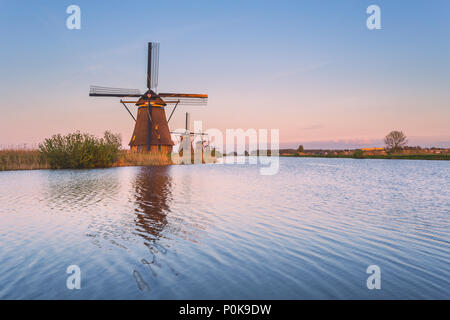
(369, 157)
(29, 160)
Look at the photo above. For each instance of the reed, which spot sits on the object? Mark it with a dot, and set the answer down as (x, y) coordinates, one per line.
(128, 158)
(14, 159)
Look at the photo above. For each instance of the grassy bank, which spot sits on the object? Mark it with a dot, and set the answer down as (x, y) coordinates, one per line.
(34, 159)
(85, 151)
(127, 159)
(388, 156)
(22, 160)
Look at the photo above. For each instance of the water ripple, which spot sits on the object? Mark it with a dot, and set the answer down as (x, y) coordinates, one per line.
(224, 231)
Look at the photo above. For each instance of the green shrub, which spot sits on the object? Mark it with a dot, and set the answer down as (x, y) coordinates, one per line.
(358, 153)
(81, 150)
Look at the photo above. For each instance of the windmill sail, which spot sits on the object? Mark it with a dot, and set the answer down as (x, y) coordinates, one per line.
(187, 102)
(183, 95)
(153, 65)
(185, 98)
(96, 91)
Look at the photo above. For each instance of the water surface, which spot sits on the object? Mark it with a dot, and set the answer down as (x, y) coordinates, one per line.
(227, 232)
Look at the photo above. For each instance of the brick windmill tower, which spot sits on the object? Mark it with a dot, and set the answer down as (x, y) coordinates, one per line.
(151, 131)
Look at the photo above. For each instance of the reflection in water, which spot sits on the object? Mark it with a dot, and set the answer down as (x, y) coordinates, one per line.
(73, 191)
(226, 232)
(153, 194)
(152, 197)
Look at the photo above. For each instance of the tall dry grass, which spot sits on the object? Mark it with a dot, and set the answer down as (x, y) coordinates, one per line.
(128, 158)
(35, 159)
(22, 160)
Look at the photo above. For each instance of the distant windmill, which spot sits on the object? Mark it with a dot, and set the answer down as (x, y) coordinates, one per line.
(186, 148)
(151, 131)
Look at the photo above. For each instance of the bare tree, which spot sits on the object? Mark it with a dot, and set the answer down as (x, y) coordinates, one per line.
(395, 140)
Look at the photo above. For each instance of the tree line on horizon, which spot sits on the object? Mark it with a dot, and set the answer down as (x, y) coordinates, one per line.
(394, 142)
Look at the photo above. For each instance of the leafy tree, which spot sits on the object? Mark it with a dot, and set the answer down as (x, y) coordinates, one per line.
(300, 148)
(395, 140)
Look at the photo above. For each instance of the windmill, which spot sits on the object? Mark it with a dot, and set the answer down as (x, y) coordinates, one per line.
(186, 150)
(151, 131)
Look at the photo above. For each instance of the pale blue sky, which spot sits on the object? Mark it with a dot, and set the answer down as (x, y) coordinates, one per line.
(310, 68)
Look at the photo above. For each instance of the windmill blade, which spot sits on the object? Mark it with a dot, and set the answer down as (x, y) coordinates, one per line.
(187, 102)
(185, 98)
(179, 101)
(153, 65)
(183, 95)
(97, 91)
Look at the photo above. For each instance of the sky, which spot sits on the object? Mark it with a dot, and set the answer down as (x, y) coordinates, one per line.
(311, 69)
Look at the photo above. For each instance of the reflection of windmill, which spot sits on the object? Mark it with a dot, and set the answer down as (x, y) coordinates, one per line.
(151, 132)
(186, 140)
(153, 194)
